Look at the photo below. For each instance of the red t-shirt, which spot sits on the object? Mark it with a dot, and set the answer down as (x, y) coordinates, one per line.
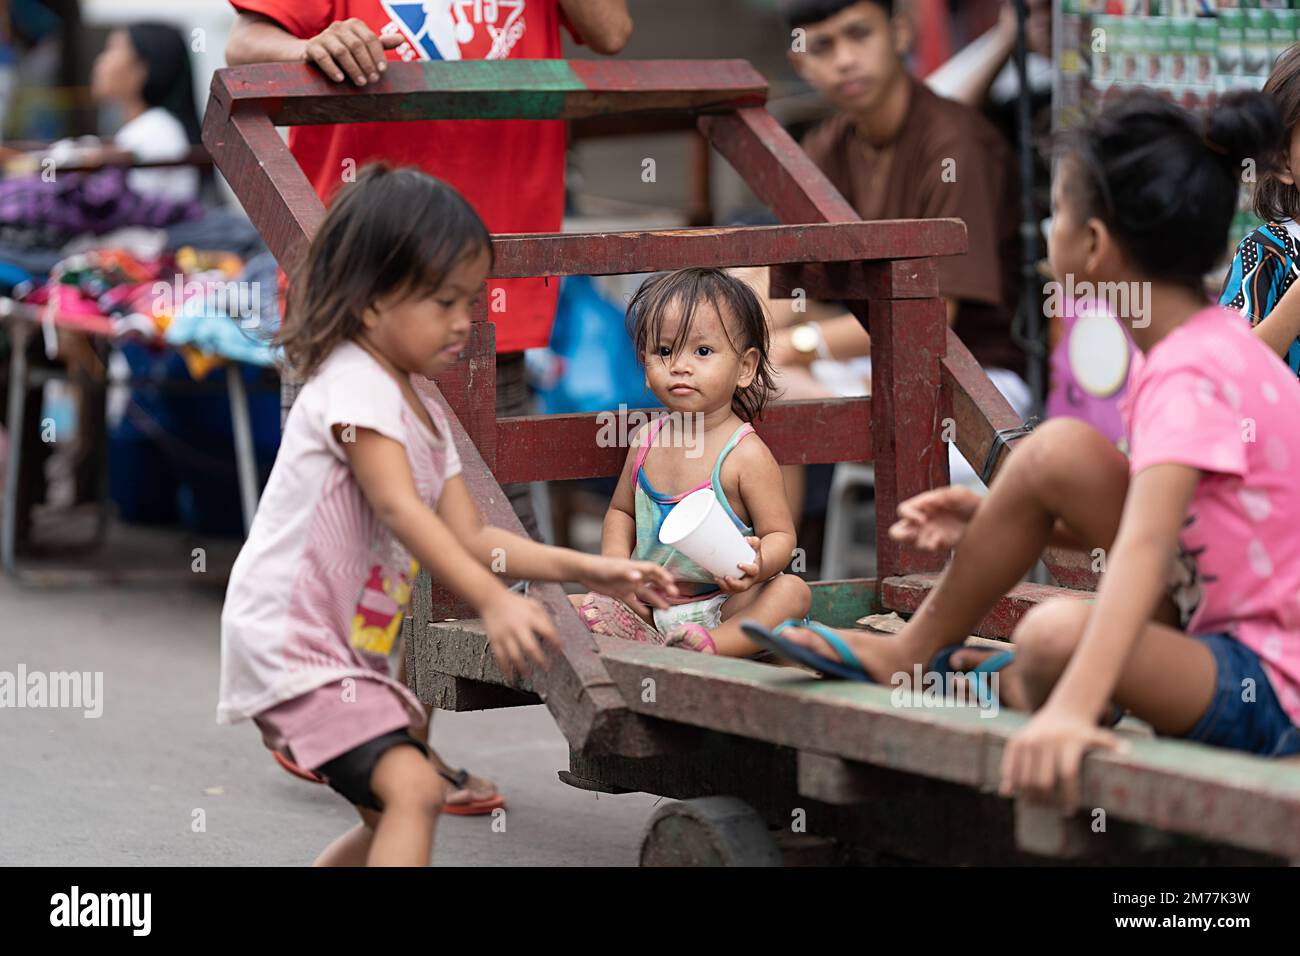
(511, 171)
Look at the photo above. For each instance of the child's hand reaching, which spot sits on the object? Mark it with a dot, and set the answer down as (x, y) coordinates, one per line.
(750, 575)
(1042, 761)
(935, 520)
(513, 624)
(629, 581)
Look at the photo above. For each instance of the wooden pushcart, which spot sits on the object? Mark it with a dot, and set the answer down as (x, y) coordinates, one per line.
(771, 765)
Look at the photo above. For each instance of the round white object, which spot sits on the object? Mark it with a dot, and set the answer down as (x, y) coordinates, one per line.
(1099, 354)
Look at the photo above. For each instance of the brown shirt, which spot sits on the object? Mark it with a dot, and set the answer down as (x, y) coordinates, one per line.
(948, 162)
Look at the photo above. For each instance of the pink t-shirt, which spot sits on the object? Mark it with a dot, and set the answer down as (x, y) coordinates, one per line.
(1210, 395)
(320, 588)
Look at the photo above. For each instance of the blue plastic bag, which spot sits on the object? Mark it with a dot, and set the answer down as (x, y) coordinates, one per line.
(591, 365)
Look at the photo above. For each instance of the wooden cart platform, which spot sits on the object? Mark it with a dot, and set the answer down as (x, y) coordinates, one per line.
(772, 765)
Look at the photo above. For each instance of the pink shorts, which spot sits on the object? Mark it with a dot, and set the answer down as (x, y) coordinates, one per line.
(331, 720)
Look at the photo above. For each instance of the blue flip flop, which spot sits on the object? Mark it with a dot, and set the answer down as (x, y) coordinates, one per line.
(848, 667)
(942, 662)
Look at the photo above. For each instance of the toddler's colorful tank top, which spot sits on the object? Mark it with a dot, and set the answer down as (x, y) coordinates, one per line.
(693, 581)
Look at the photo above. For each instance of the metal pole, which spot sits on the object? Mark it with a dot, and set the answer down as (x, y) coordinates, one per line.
(1032, 343)
(245, 455)
(18, 386)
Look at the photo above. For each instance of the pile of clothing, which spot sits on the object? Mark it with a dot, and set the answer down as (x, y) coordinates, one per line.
(211, 306)
(46, 219)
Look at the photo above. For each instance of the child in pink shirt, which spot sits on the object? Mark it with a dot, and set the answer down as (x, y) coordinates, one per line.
(1196, 625)
(367, 488)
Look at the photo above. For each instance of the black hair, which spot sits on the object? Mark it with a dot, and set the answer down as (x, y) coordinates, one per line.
(1166, 182)
(802, 13)
(742, 316)
(1274, 199)
(392, 232)
(168, 82)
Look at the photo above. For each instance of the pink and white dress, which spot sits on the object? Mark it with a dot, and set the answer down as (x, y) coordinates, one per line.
(311, 626)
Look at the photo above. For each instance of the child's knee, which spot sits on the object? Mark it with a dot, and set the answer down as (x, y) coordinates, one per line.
(1056, 451)
(792, 593)
(1047, 635)
(405, 779)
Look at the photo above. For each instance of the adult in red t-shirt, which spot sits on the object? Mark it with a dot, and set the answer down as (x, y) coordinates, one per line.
(511, 171)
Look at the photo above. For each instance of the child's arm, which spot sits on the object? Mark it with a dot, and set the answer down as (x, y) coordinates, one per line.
(1275, 321)
(763, 491)
(1280, 328)
(525, 559)
(1051, 746)
(618, 533)
(384, 474)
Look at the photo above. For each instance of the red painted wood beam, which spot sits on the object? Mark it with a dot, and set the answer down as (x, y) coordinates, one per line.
(293, 94)
(978, 410)
(654, 250)
(905, 593)
(580, 694)
(775, 167)
(561, 447)
(270, 184)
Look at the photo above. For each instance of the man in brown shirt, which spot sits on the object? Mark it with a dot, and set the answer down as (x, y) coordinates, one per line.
(896, 150)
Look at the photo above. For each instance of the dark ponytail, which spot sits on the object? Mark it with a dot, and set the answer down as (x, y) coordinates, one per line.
(1165, 181)
(1241, 126)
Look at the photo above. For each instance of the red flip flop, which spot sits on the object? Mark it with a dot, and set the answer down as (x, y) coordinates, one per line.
(300, 772)
(475, 808)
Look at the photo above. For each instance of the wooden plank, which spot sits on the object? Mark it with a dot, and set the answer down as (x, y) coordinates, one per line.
(558, 447)
(789, 708)
(974, 404)
(655, 250)
(907, 346)
(270, 184)
(1072, 569)
(470, 386)
(1043, 830)
(297, 95)
(833, 780)
(906, 279)
(841, 603)
(575, 686)
(586, 706)
(1216, 795)
(1223, 797)
(774, 166)
(460, 694)
(904, 594)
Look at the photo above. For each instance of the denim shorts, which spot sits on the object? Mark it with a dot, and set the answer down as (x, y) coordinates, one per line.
(1260, 726)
